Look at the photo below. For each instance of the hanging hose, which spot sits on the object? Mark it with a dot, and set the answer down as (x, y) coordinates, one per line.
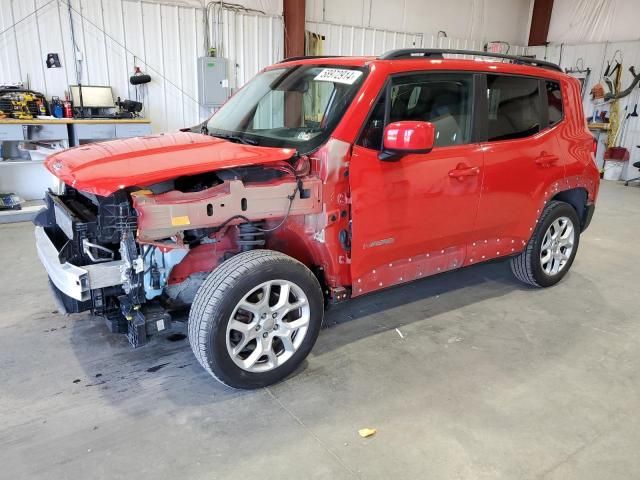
(627, 91)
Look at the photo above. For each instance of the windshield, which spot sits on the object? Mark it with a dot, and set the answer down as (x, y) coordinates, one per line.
(294, 107)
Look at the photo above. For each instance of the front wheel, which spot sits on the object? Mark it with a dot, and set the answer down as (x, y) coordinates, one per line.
(255, 318)
(550, 252)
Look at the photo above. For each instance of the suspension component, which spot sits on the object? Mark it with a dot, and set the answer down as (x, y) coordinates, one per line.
(249, 237)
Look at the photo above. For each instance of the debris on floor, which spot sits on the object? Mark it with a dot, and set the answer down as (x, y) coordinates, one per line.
(367, 432)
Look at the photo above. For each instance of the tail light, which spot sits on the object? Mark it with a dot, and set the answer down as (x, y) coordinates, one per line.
(594, 147)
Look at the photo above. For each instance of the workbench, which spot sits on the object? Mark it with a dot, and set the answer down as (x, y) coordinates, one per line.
(83, 131)
(28, 177)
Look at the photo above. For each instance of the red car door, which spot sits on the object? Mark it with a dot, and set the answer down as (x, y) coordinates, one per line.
(413, 217)
(523, 164)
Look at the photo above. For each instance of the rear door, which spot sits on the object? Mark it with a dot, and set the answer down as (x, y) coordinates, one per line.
(523, 164)
(413, 217)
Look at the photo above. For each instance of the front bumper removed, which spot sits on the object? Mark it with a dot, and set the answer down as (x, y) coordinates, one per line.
(71, 280)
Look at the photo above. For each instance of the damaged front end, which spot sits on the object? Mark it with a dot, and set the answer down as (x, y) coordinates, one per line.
(137, 254)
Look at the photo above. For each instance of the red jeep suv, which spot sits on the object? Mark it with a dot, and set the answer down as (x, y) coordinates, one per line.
(322, 179)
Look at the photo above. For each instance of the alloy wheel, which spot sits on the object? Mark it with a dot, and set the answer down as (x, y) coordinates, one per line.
(557, 245)
(268, 326)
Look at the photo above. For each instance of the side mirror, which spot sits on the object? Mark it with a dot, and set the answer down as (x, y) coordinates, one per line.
(400, 138)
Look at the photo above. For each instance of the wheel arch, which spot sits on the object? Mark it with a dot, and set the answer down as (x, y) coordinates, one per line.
(294, 241)
(578, 198)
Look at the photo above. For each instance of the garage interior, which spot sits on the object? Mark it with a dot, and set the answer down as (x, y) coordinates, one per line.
(467, 374)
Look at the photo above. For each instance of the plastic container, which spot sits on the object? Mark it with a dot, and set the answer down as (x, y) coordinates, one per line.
(15, 151)
(613, 169)
(617, 153)
(38, 152)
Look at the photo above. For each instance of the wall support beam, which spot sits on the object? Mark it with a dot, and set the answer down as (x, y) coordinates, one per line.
(294, 18)
(540, 19)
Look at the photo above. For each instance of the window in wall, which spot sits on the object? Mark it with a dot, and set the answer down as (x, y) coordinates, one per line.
(554, 102)
(444, 100)
(513, 107)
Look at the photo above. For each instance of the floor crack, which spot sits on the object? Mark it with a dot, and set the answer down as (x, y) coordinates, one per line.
(310, 432)
(570, 456)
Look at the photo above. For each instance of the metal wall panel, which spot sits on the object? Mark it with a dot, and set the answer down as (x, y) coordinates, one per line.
(478, 19)
(164, 39)
(351, 40)
(253, 41)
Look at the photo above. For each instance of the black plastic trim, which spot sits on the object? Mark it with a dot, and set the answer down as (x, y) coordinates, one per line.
(543, 115)
(480, 132)
(589, 209)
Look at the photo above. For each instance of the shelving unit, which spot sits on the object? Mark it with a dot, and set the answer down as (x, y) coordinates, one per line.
(20, 140)
(26, 176)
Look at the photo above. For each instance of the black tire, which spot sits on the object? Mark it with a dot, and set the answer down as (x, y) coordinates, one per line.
(217, 298)
(527, 267)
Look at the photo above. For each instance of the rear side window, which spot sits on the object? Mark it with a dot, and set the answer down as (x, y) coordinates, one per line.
(442, 99)
(554, 102)
(513, 107)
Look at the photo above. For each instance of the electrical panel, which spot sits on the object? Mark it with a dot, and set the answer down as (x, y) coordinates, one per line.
(213, 83)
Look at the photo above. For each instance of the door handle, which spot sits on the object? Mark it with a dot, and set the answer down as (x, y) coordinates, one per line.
(546, 160)
(462, 171)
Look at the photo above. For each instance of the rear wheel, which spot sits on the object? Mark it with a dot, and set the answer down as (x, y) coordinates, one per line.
(552, 248)
(255, 318)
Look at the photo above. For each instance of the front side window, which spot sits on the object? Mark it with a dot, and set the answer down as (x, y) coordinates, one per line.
(442, 99)
(554, 102)
(294, 107)
(513, 107)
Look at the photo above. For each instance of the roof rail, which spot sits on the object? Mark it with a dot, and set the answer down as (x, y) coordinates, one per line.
(439, 53)
(305, 57)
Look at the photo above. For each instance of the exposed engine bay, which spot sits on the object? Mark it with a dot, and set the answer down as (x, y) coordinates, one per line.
(141, 252)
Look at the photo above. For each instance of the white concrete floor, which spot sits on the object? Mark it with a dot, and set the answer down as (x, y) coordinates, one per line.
(490, 380)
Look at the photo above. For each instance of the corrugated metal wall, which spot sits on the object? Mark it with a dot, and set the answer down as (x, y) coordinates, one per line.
(114, 35)
(253, 41)
(433, 41)
(351, 40)
(595, 56)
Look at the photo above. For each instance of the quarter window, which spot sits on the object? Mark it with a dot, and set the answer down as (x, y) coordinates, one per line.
(442, 99)
(513, 107)
(554, 102)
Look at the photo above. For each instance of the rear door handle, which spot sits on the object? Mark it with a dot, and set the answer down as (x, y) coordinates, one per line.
(462, 171)
(546, 160)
